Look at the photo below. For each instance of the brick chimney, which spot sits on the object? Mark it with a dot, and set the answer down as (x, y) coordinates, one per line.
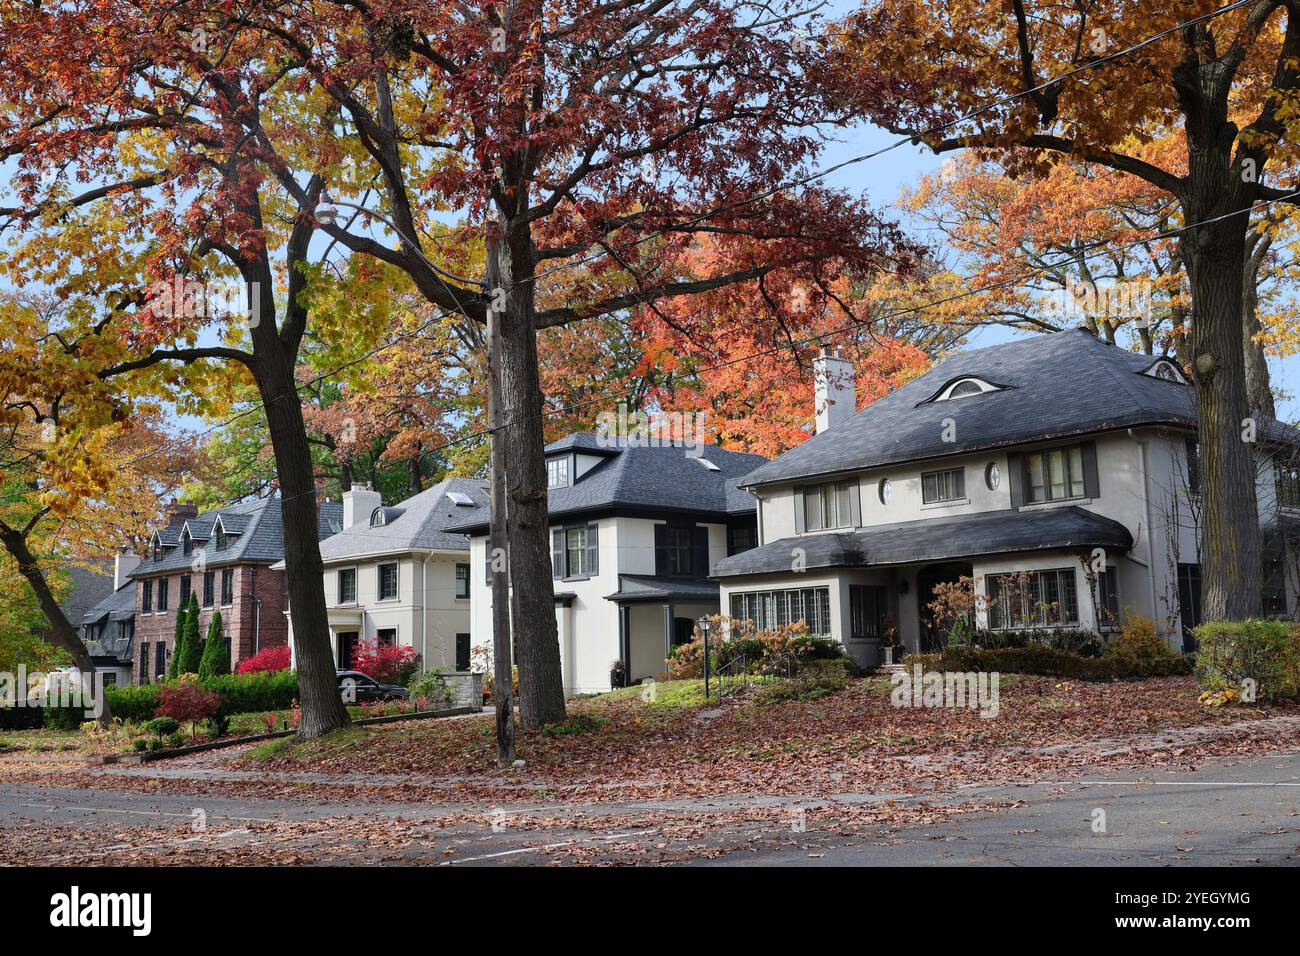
(178, 514)
(833, 389)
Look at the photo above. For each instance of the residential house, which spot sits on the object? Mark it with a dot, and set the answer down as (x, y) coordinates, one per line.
(224, 556)
(635, 528)
(396, 575)
(1058, 455)
(108, 628)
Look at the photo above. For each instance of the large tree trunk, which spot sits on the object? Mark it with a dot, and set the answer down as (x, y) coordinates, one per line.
(1259, 390)
(322, 705)
(537, 644)
(62, 633)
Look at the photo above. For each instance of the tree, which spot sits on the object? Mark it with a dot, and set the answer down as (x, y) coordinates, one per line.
(216, 655)
(1063, 83)
(190, 653)
(179, 638)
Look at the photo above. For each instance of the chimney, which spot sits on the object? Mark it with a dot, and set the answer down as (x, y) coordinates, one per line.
(124, 563)
(178, 514)
(358, 504)
(834, 389)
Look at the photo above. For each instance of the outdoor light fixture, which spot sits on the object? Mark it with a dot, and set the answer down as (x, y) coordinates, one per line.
(326, 213)
(704, 629)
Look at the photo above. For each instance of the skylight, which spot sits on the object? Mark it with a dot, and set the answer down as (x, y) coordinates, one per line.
(708, 464)
(460, 498)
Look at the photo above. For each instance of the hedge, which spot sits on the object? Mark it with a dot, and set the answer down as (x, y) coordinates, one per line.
(240, 694)
(1265, 651)
(1050, 662)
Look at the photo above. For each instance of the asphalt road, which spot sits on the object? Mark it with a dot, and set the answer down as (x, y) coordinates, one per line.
(1239, 813)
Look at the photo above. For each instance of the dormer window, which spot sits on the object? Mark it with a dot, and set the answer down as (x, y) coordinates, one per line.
(967, 386)
(378, 518)
(219, 534)
(1166, 371)
(156, 547)
(557, 473)
(187, 543)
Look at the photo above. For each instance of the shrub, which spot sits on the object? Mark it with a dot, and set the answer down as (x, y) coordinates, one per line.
(215, 661)
(431, 686)
(162, 726)
(577, 724)
(140, 743)
(1138, 651)
(190, 653)
(1048, 661)
(1265, 651)
(249, 693)
(132, 703)
(187, 702)
(178, 643)
(62, 718)
(815, 680)
(733, 639)
(267, 659)
(386, 663)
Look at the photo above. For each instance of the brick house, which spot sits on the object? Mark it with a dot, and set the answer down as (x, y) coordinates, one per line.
(224, 557)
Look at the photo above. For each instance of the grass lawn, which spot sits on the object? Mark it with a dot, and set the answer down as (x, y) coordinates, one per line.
(43, 740)
(850, 739)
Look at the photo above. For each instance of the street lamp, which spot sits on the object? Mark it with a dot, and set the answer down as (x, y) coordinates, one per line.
(704, 629)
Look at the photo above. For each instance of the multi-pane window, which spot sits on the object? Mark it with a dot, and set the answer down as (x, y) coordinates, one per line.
(348, 586)
(1288, 485)
(557, 472)
(387, 636)
(228, 586)
(828, 506)
(1054, 475)
(387, 582)
(772, 609)
(741, 538)
(462, 580)
(867, 610)
(1108, 599)
(575, 552)
(146, 596)
(209, 588)
(947, 485)
(1033, 599)
(679, 543)
(162, 593)
(221, 540)
(187, 585)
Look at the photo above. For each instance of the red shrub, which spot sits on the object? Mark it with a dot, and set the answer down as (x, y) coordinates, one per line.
(386, 663)
(267, 659)
(187, 703)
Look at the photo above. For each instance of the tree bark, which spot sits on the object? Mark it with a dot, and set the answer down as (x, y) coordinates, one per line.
(537, 643)
(1259, 389)
(62, 633)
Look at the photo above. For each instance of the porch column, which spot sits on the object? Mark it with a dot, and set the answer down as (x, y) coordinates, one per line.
(668, 631)
(625, 641)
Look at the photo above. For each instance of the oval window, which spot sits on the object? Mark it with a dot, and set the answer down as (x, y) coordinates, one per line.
(886, 491)
(993, 476)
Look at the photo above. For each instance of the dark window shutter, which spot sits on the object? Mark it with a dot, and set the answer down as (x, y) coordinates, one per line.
(557, 553)
(855, 504)
(798, 511)
(661, 550)
(700, 549)
(1016, 478)
(593, 549)
(1091, 487)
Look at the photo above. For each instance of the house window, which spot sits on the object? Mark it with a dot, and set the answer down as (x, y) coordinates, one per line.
(681, 550)
(387, 636)
(187, 585)
(462, 580)
(227, 587)
(1107, 599)
(348, 586)
(187, 543)
(144, 663)
(772, 609)
(557, 472)
(741, 538)
(209, 588)
(947, 485)
(388, 582)
(575, 552)
(867, 610)
(1193, 466)
(1288, 485)
(828, 506)
(678, 542)
(1054, 475)
(146, 596)
(162, 593)
(1033, 599)
(221, 540)
(160, 658)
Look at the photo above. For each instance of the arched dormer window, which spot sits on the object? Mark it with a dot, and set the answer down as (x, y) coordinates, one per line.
(156, 547)
(1166, 371)
(378, 518)
(967, 386)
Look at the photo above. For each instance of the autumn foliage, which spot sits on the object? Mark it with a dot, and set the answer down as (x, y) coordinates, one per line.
(267, 659)
(386, 663)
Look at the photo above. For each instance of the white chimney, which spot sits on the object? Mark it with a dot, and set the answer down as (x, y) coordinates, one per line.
(359, 504)
(834, 389)
(123, 564)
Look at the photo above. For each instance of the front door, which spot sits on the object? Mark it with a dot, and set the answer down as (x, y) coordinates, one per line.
(683, 630)
(935, 626)
(347, 649)
(462, 652)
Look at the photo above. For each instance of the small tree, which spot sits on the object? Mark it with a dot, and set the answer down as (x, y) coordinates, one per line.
(267, 659)
(178, 643)
(191, 651)
(188, 703)
(216, 655)
(387, 663)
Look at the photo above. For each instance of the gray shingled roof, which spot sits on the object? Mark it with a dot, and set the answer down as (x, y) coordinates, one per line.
(658, 478)
(261, 540)
(647, 587)
(1061, 384)
(89, 587)
(118, 606)
(417, 524)
(935, 539)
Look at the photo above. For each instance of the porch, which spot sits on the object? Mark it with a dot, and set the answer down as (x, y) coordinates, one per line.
(655, 614)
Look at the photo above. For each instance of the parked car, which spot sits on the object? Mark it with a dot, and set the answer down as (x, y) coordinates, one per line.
(359, 688)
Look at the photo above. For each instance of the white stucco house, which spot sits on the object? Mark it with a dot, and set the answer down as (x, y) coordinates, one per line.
(396, 574)
(635, 529)
(1058, 455)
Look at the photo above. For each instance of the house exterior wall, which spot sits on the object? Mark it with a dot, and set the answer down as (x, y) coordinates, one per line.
(252, 621)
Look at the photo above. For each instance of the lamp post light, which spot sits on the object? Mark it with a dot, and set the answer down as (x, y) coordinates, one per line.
(704, 629)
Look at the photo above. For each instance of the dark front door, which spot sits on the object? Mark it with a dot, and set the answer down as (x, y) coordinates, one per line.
(935, 627)
(1189, 602)
(683, 630)
(347, 649)
(462, 652)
